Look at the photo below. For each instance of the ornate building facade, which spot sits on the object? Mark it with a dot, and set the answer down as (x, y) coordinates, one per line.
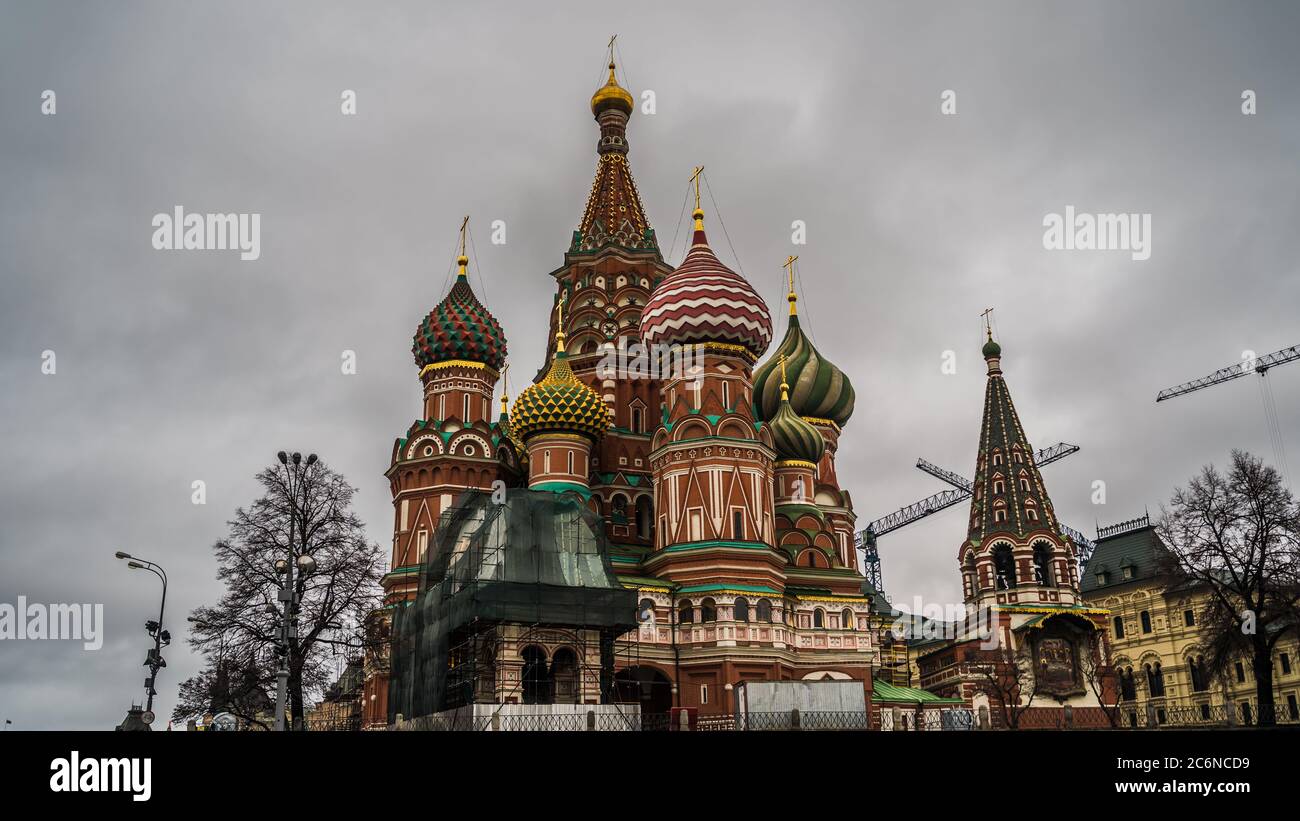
(714, 482)
(1159, 646)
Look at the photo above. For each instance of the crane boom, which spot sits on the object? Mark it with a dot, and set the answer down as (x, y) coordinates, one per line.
(1262, 364)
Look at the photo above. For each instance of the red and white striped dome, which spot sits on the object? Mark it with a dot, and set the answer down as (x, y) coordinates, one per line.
(705, 301)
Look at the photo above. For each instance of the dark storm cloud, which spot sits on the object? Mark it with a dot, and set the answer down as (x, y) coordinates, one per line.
(176, 367)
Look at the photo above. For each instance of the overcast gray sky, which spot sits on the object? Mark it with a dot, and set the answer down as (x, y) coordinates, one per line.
(176, 367)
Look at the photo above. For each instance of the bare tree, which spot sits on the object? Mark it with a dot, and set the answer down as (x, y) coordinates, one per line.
(1238, 537)
(240, 687)
(1006, 675)
(1100, 675)
(314, 504)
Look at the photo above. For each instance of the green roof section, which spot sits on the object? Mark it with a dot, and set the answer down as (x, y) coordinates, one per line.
(744, 588)
(882, 692)
(1139, 549)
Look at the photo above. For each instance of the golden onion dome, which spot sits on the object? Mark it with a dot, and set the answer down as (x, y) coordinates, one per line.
(611, 95)
(560, 403)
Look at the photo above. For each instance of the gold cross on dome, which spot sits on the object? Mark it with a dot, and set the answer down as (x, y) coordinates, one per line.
(463, 224)
(695, 178)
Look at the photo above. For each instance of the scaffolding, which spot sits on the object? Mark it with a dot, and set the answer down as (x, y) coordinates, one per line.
(517, 604)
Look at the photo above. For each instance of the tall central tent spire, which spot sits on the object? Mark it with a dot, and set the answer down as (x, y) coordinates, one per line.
(614, 214)
(1010, 497)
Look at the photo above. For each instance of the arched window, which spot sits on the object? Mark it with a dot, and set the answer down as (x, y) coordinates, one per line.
(1004, 567)
(764, 610)
(537, 681)
(846, 619)
(644, 518)
(997, 457)
(998, 487)
(1145, 618)
(741, 609)
(1024, 484)
(1119, 627)
(564, 676)
(1155, 680)
(636, 420)
(1030, 513)
(708, 611)
(819, 618)
(646, 612)
(1043, 565)
(685, 613)
(1196, 667)
(1127, 689)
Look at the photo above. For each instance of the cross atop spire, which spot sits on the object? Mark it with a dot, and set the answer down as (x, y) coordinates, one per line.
(462, 261)
(790, 297)
(559, 322)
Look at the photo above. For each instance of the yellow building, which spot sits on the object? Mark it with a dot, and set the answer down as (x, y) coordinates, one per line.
(1157, 648)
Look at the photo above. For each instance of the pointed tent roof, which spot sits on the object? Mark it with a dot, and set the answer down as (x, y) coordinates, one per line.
(1005, 454)
(614, 214)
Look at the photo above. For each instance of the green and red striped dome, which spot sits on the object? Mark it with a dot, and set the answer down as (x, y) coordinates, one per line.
(460, 328)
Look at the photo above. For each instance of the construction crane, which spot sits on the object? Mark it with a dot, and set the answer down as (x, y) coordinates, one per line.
(1250, 364)
(963, 489)
(1261, 366)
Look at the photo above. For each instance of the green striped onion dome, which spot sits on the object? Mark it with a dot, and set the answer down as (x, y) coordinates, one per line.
(460, 329)
(818, 389)
(794, 438)
(560, 403)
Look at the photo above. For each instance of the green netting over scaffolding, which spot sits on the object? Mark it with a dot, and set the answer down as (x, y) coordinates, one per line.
(524, 558)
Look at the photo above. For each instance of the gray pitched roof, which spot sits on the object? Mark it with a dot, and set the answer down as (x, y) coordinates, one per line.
(1139, 549)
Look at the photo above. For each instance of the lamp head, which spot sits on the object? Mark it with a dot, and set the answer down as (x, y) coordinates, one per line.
(121, 554)
(283, 457)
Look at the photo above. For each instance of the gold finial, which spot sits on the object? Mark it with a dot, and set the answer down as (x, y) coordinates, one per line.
(698, 214)
(988, 328)
(559, 322)
(505, 387)
(790, 297)
(785, 388)
(462, 260)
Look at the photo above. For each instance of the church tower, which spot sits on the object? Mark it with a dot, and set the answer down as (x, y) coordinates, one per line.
(713, 468)
(612, 264)
(460, 349)
(559, 420)
(821, 395)
(1014, 553)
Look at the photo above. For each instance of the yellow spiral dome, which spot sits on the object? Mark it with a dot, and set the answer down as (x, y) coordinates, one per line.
(560, 403)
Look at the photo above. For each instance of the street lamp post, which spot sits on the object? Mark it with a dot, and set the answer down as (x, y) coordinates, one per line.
(289, 626)
(160, 635)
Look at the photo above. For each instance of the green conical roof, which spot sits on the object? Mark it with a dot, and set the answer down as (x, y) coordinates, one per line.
(1006, 477)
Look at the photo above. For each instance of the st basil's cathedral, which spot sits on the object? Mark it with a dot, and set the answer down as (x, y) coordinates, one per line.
(653, 537)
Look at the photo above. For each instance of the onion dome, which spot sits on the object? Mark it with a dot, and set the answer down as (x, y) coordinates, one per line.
(794, 438)
(460, 329)
(611, 95)
(705, 301)
(991, 349)
(559, 403)
(819, 389)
